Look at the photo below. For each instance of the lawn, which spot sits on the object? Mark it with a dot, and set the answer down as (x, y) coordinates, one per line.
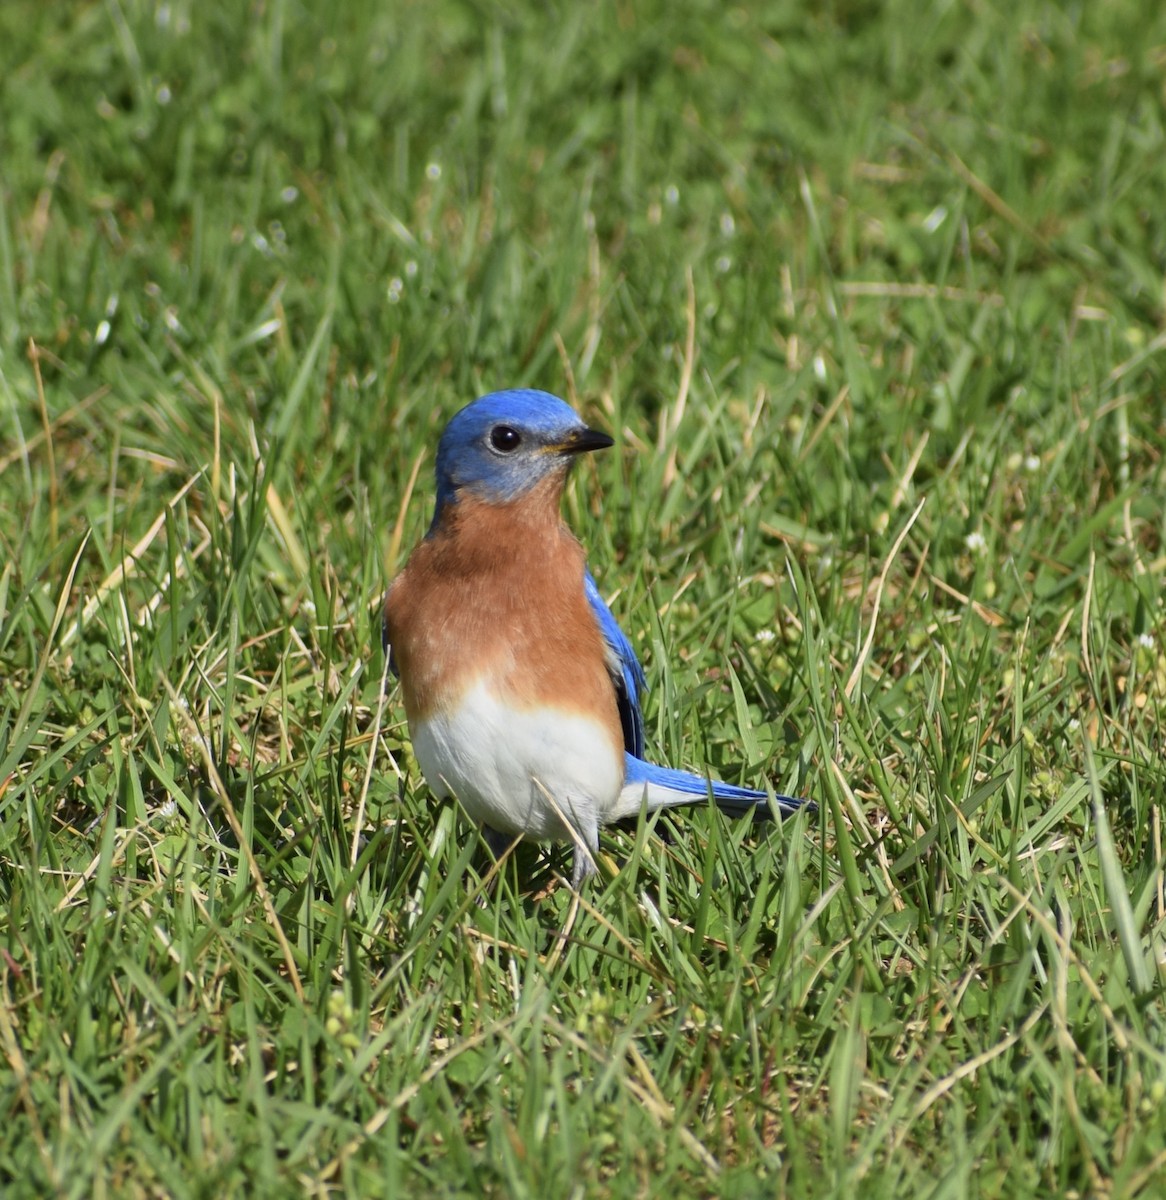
(873, 300)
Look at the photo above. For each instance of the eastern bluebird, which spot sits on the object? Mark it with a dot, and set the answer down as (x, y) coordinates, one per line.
(521, 691)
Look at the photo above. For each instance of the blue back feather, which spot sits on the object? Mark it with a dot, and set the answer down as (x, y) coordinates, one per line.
(624, 668)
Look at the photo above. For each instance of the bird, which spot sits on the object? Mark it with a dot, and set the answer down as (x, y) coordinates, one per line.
(521, 692)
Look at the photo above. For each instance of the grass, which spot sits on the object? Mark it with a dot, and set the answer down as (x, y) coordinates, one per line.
(872, 299)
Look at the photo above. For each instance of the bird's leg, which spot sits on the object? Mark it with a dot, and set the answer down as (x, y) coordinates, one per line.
(499, 844)
(583, 860)
(583, 867)
(582, 828)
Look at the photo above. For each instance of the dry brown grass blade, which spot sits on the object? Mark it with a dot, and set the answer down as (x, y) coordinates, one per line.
(856, 674)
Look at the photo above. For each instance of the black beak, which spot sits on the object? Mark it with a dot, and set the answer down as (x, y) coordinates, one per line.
(580, 441)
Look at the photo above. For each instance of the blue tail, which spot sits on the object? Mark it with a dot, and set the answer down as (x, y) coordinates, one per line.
(662, 787)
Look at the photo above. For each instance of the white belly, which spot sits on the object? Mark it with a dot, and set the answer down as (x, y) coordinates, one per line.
(517, 771)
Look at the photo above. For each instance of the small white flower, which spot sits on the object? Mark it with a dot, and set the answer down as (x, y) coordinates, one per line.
(723, 264)
(975, 542)
(433, 171)
(728, 225)
(1032, 463)
(766, 635)
(289, 194)
(1146, 641)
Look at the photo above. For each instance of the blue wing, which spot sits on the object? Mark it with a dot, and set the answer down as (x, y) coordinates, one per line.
(624, 668)
(662, 787)
(644, 782)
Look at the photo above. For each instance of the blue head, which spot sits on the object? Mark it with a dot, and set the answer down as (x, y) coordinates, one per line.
(502, 445)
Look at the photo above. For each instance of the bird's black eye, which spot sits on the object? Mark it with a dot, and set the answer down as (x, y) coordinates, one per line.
(505, 439)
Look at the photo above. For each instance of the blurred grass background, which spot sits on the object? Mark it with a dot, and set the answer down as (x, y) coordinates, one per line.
(871, 297)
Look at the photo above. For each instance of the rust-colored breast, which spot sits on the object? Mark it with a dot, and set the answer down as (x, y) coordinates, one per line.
(497, 591)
